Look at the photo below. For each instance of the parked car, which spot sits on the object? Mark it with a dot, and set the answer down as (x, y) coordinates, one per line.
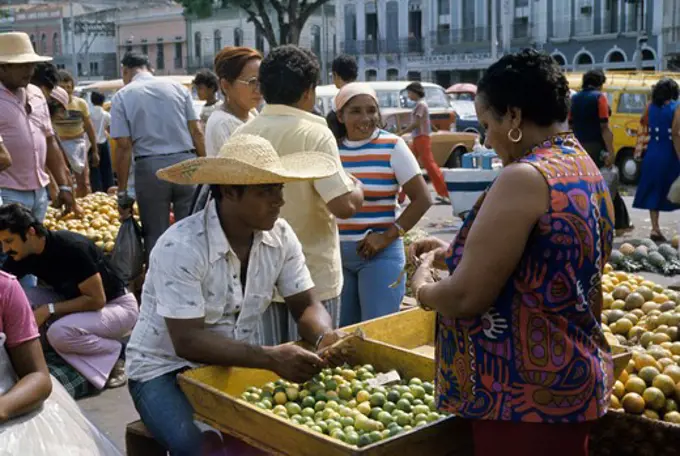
(448, 147)
(392, 95)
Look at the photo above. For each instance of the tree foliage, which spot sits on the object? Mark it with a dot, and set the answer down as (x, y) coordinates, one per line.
(290, 16)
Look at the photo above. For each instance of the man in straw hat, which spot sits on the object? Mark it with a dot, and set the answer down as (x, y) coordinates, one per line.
(288, 78)
(27, 133)
(211, 277)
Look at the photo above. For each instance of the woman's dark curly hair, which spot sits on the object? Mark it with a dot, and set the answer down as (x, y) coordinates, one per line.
(528, 80)
(665, 90)
(287, 73)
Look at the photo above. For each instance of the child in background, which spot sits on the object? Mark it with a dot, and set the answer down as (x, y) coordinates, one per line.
(207, 85)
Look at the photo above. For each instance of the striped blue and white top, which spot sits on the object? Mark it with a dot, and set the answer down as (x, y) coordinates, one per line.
(383, 163)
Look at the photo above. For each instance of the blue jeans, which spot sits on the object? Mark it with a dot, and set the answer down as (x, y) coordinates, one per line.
(167, 414)
(366, 293)
(35, 200)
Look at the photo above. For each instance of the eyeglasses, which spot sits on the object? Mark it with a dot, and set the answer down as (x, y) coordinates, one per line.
(252, 83)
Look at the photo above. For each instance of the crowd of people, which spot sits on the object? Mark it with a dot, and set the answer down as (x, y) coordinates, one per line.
(288, 226)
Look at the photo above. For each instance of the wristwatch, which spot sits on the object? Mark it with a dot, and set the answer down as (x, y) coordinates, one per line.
(66, 188)
(50, 307)
(400, 230)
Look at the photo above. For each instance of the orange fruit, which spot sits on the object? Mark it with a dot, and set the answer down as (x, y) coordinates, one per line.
(654, 398)
(619, 389)
(673, 371)
(651, 414)
(665, 384)
(635, 385)
(633, 403)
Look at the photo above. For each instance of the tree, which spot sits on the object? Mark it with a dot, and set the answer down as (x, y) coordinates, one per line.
(290, 15)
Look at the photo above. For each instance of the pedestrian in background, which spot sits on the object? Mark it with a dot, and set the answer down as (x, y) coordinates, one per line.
(421, 131)
(154, 120)
(77, 135)
(589, 119)
(207, 87)
(345, 71)
(101, 176)
(660, 165)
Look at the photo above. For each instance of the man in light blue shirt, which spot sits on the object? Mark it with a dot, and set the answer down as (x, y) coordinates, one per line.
(154, 122)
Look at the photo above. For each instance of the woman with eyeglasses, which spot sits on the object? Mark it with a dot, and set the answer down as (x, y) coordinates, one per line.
(237, 69)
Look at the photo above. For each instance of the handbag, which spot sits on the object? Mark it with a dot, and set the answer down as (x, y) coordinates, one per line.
(674, 192)
(642, 136)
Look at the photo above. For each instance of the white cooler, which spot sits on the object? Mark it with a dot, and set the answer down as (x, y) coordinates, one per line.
(466, 186)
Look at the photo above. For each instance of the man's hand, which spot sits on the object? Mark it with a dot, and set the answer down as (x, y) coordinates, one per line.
(41, 314)
(95, 157)
(334, 356)
(66, 200)
(294, 363)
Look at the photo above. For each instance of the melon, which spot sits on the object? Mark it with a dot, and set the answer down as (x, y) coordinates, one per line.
(668, 252)
(616, 258)
(626, 249)
(640, 253)
(651, 245)
(656, 259)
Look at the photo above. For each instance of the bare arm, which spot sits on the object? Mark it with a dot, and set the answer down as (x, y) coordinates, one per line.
(516, 201)
(56, 163)
(421, 200)
(676, 131)
(34, 385)
(92, 298)
(608, 138)
(311, 316)
(5, 157)
(345, 206)
(92, 135)
(124, 160)
(196, 130)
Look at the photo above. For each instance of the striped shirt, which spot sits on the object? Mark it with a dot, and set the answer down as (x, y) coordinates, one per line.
(383, 163)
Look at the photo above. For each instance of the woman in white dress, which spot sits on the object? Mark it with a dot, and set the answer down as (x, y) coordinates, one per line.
(238, 69)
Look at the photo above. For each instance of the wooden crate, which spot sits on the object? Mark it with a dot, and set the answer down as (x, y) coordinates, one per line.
(415, 330)
(214, 394)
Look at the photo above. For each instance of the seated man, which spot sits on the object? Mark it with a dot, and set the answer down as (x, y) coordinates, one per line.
(211, 277)
(88, 306)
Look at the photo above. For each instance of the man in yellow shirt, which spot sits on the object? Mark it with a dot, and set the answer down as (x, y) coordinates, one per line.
(288, 78)
(72, 131)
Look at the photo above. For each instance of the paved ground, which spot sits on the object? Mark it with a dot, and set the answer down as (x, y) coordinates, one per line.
(112, 409)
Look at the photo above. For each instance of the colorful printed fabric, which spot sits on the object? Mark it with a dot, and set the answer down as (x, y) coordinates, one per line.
(539, 353)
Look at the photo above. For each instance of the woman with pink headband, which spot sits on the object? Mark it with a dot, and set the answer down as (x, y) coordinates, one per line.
(371, 241)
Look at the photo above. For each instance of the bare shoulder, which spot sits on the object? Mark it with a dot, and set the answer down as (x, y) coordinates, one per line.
(523, 184)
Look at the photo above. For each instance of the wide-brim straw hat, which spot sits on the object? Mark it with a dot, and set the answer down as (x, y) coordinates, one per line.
(16, 47)
(250, 160)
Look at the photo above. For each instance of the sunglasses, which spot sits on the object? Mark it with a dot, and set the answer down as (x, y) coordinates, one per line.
(252, 83)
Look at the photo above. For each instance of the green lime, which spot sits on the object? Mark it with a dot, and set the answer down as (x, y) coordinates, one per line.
(375, 436)
(375, 411)
(332, 395)
(361, 371)
(395, 430)
(432, 416)
(352, 404)
(297, 419)
(407, 428)
(347, 421)
(308, 402)
(279, 409)
(331, 385)
(415, 381)
(385, 434)
(345, 392)
(323, 425)
(421, 423)
(366, 376)
(348, 374)
(268, 387)
(404, 405)
(319, 406)
(293, 408)
(418, 391)
(363, 396)
(320, 395)
(260, 405)
(332, 404)
(352, 438)
(369, 368)
(332, 424)
(428, 387)
(317, 429)
(364, 440)
(403, 420)
(318, 416)
(421, 409)
(393, 396)
(389, 407)
(420, 417)
(303, 394)
(377, 399)
(282, 414)
(338, 434)
(307, 411)
(385, 418)
(364, 408)
(280, 398)
(292, 393)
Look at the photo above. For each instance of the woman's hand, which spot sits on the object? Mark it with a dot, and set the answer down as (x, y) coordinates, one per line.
(372, 244)
(430, 244)
(424, 274)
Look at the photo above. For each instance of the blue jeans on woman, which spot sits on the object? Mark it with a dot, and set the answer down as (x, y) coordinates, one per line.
(366, 292)
(167, 414)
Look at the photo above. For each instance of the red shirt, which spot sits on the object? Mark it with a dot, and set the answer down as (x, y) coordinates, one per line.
(16, 315)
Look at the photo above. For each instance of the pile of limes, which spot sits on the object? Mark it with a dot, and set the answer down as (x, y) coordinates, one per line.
(341, 403)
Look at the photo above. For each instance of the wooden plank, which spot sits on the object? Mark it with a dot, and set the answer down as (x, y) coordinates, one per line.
(214, 394)
(407, 329)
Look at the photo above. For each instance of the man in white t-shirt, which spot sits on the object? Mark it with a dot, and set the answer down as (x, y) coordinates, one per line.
(101, 177)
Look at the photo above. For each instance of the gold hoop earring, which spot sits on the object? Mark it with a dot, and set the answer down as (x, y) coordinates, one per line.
(519, 135)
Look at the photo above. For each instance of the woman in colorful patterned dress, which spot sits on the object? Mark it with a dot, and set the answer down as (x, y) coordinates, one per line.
(520, 349)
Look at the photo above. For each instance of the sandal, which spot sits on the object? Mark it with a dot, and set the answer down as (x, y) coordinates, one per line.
(117, 377)
(657, 237)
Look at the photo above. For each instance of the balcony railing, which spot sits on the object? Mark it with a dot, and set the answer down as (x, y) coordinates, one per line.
(384, 46)
(462, 40)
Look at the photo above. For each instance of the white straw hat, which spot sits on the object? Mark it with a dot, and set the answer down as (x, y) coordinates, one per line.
(16, 47)
(250, 160)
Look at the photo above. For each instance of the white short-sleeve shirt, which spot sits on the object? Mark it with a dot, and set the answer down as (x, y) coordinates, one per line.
(193, 273)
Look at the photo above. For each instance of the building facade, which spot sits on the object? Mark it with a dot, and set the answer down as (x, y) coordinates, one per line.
(448, 41)
(230, 27)
(160, 32)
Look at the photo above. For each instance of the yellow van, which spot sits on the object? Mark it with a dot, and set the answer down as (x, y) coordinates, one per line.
(628, 94)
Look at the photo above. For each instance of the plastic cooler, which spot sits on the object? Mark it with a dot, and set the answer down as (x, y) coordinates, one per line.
(466, 186)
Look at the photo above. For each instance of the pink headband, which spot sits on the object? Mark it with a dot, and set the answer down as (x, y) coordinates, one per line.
(350, 91)
(60, 95)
